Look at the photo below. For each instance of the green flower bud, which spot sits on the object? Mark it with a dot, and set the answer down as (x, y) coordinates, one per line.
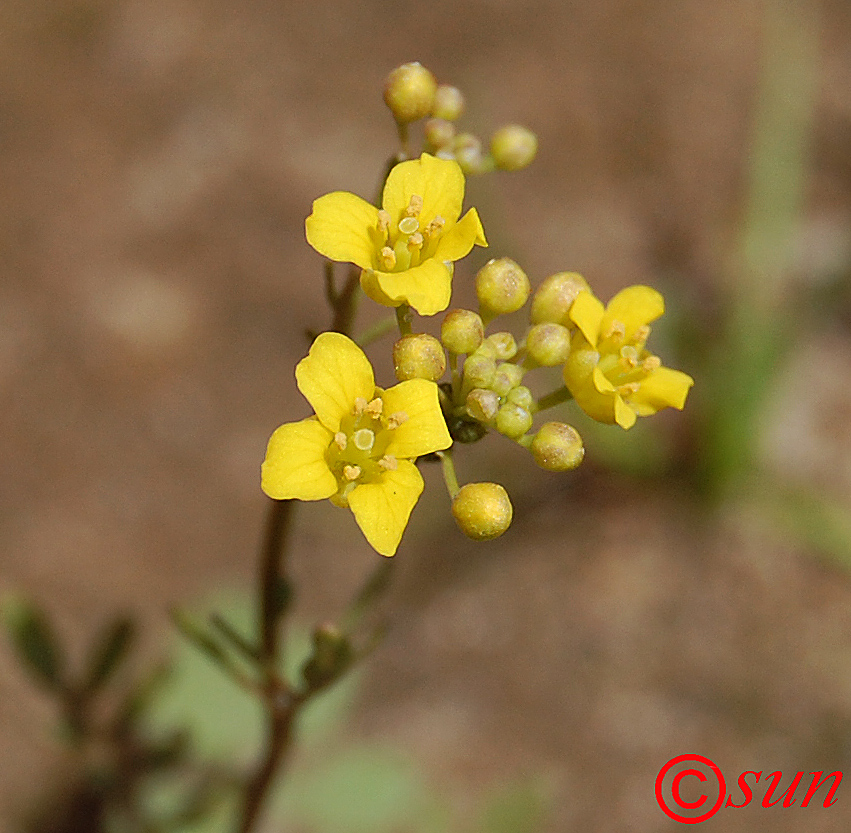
(503, 345)
(439, 133)
(513, 147)
(409, 92)
(522, 396)
(468, 153)
(482, 510)
(548, 344)
(502, 286)
(419, 356)
(448, 103)
(506, 378)
(462, 331)
(482, 404)
(479, 371)
(332, 654)
(513, 421)
(557, 447)
(555, 296)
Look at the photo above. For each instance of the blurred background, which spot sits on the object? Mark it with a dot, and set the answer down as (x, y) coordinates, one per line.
(686, 590)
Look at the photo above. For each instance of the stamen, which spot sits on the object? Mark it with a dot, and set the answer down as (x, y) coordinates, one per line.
(616, 328)
(651, 363)
(628, 388)
(414, 207)
(360, 405)
(434, 227)
(387, 257)
(408, 225)
(415, 241)
(641, 336)
(375, 407)
(388, 462)
(352, 472)
(364, 439)
(340, 440)
(629, 357)
(383, 221)
(395, 420)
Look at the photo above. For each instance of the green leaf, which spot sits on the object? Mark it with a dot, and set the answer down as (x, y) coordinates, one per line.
(34, 640)
(110, 651)
(517, 808)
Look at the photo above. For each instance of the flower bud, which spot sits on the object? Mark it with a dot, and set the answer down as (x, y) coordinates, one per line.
(439, 133)
(462, 331)
(503, 345)
(513, 421)
(479, 371)
(409, 92)
(522, 396)
(506, 378)
(448, 103)
(418, 356)
(502, 286)
(513, 147)
(557, 447)
(555, 296)
(482, 404)
(482, 510)
(468, 153)
(332, 654)
(548, 344)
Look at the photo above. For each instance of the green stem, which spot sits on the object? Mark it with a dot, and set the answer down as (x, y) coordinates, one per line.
(403, 319)
(376, 331)
(449, 476)
(553, 399)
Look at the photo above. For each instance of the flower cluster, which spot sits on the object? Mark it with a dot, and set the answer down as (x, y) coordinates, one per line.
(361, 446)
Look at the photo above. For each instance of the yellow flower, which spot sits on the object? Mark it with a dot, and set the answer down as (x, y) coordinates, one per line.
(405, 249)
(359, 447)
(611, 375)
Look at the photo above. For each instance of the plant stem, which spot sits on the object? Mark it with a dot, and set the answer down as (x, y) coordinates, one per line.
(553, 399)
(376, 331)
(403, 319)
(345, 303)
(271, 574)
(449, 476)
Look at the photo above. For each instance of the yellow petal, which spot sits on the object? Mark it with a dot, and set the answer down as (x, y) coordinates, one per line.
(427, 287)
(295, 464)
(382, 509)
(460, 239)
(372, 289)
(634, 306)
(424, 430)
(334, 374)
(624, 415)
(343, 227)
(587, 312)
(440, 183)
(663, 388)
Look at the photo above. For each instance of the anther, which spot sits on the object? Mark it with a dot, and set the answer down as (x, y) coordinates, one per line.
(408, 225)
(340, 440)
(388, 462)
(395, 420)
(363, 439)
(434, 227)
(641, 335)
(360, 405)
(387, 258)
(383, 221)
(375, 407)
(415, 241)
(616, 328)
(414, 206)
(651, 363)
(351, 472)
(628, 388)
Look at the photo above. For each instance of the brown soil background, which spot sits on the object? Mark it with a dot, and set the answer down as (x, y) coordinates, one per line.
(157, 160)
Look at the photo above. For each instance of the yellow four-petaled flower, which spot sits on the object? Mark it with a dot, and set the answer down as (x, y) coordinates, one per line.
(609, 371)
(405, 249)
(358, 448)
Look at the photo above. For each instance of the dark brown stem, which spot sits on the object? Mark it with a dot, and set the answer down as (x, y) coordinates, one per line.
(271, 576)
(345, 302)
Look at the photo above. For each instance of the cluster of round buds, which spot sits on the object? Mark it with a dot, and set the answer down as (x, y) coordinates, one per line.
(412, 93)
(488, 390)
